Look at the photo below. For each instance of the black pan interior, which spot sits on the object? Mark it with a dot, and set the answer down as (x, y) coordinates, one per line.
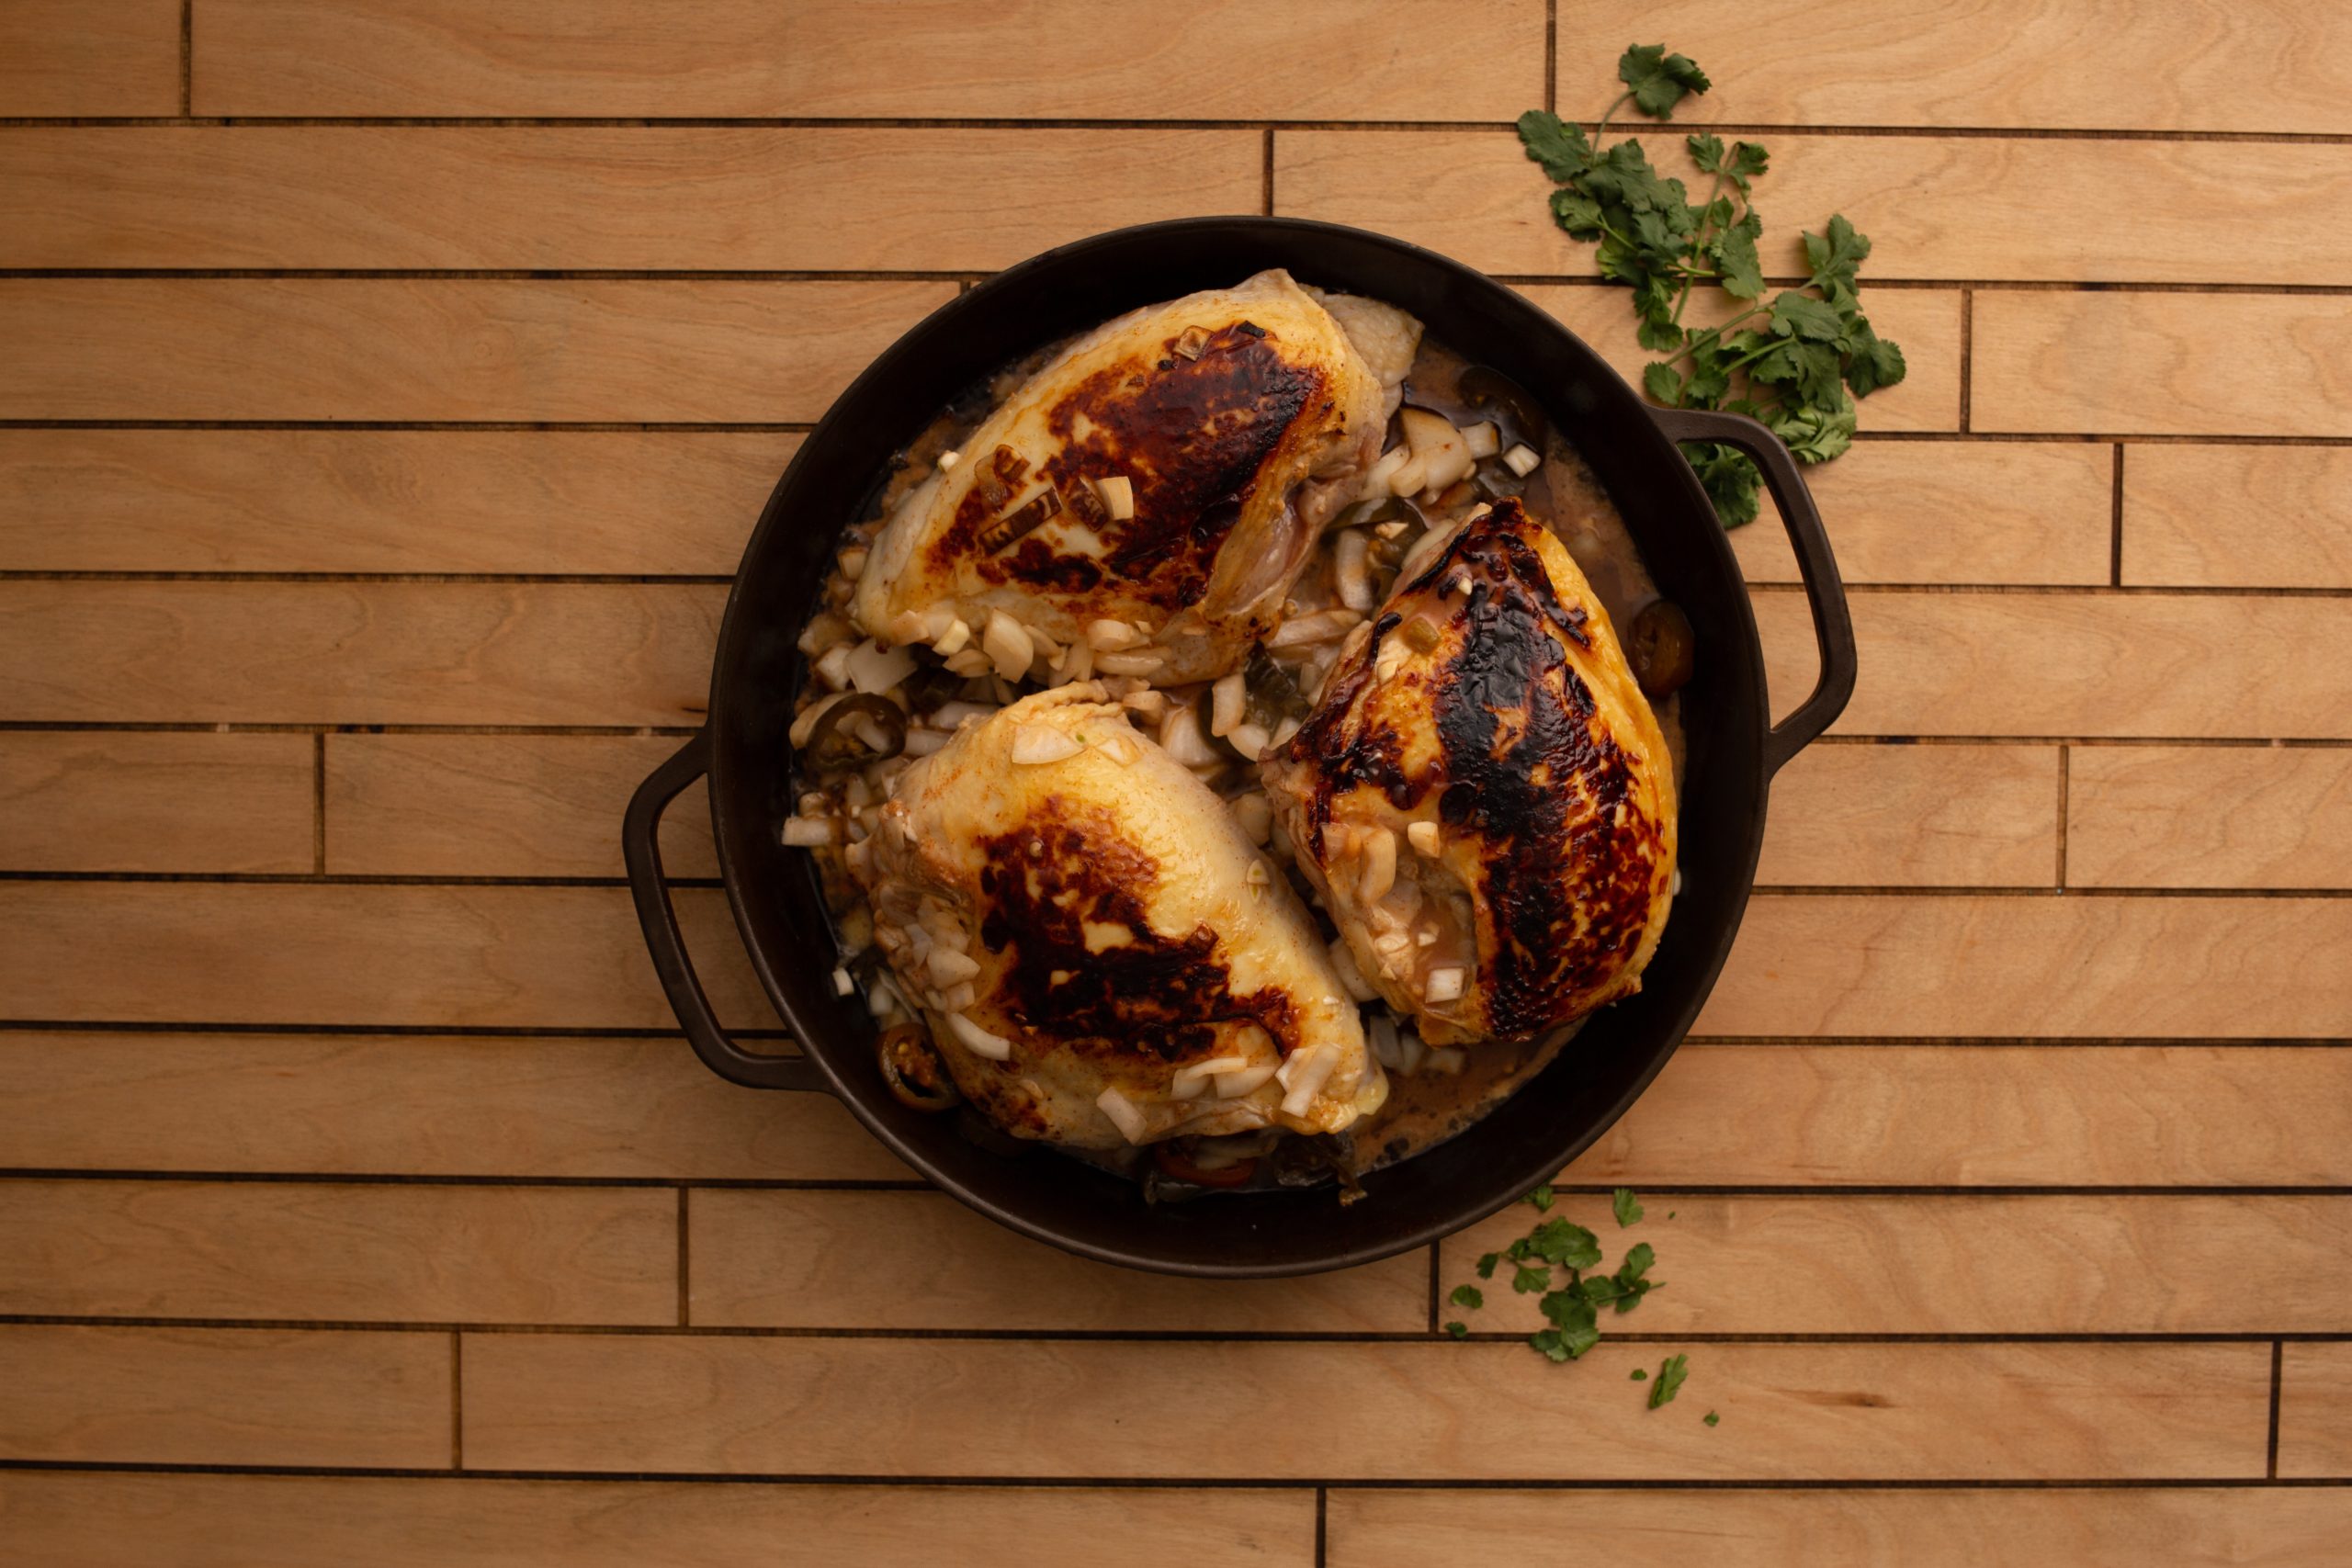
(1553, 1118)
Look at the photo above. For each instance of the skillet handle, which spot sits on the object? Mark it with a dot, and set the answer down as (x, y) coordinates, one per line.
(1824, 591)
(642, 849)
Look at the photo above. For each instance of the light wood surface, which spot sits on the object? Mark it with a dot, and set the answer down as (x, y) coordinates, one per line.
(387, 389)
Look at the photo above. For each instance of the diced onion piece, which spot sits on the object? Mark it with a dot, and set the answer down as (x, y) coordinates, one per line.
(1123, 1114)
(1410, 476)
(949, 459)
(834, 668)
(1521, 459)
(1446, 1060)
(1118, 493)
(805, 724)
(958, 997)
(1234, 1085)
(1343, 961)
(842, 985)
(1289, 727)
(1411, 1050)
(1303, 1075)
(1008, 645)
(949, 967)
(1483, 439)
(1427, 838)
(1425, 549)
(1376, 479)
(1036, 743)
(1149, 663)
(1380, 1033)
(1437, 445)
(1250, 740)
(1351, 565)
(923, 742)
(978, 1041)
(1078, 664)
(807, 833)
(1444, 984)
(1323, 625)
(1229, 701)
(969, 662)
(1191, 1082)
(957, 634)
(1256, 815)
(1110, 636)
(822, 632)
(1179, 733)
(1379, 865)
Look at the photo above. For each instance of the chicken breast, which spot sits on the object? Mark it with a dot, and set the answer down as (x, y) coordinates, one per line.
(1102, 955)
(1226, 425)
(1483, 794)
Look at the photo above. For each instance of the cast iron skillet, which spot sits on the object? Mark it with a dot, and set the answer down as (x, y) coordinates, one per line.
(1734, 749)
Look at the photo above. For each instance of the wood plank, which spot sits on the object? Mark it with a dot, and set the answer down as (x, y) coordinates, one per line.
(1926, 321)
(1914, 1265)
(500, 805)
(2237, 517)
(2047, 967)
(2162, 364)
(802, 1259)
(356, 348)
(352, 1254)
(172, 802)
(625, 197)
(436, 957)
(1953, 512)
(2118, 1528)
(1433, 1410)
(299, 1521)
(441, 1106)
(1944, 208)
(401, 501)
(66, 57)
(2315, 1410)
(1915, 815)
(1228, 60)
(2209, 817)
(2142, 665)
(474, 653)
(223, 1396)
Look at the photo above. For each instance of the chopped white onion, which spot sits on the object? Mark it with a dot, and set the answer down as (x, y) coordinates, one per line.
(1410, 475)
(1483, 439)
(1123, 1113)
(1118, 493)
(1323, 625)
(949, 459)
(1375, 479)
(1379, 865)
(1351, 565)
(1007, 643)
(1427, 838)
(1307, 1081)
(1234, 1085)
(808, 832)
(1145, 663)
(1446, 1060)
(969, 662)
(923, 742)
(952, 716)
(1343, 963)
(1036, 743)
(978, 1041)
(1179, 733)
(1188, 1082)
(1380, 1033)
(1411, 1050)
(1521, 459)
(834, 668)
(949, 967)
(1229, 701)
(1256, 815)
(1251, 739)
(1443, 454)
(1444, 984)
(1107, 636)
(842, 985)
(958, 635)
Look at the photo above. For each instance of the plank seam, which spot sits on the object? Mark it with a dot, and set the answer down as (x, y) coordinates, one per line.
(2278, 1369)
(457, 1400)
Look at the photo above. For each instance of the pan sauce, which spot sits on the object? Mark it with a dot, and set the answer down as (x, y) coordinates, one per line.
(1452, 1089)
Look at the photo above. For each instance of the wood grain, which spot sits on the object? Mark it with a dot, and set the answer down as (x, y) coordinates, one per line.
(1430, 1410)
(2085, 1529)
(1952, 512)
(223, 1396)
(797, 1259)
(2237, 517)
(1035, 59)
(2153, 665)
(173, 802)
(406, 349)
(2209, 817)
(288, 954)
(500, 805)
(1915, 815)
(1991, 64)
(357, 652)
(1941, 208)
(445, 1105)
(378, 501)
(1769, 1115)
(278, 1250)
(2315, 1411)
(2162, 364)
(2045, 967)
(630, 198)
(66, 57)
(1977, 1265)
(293, 1521)
(1926, 321)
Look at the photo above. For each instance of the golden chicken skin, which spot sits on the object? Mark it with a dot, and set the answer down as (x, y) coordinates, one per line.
(1102, 955)
(1161, 481)
(1483, 795)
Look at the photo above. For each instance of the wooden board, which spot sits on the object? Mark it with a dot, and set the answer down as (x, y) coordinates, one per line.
(391, 387)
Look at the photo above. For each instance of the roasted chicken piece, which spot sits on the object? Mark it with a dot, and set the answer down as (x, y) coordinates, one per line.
(1483, 794)
(1103, 957)
(1164, 477)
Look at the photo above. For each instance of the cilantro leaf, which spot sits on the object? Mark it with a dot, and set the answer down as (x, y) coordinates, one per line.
(1670, 1374)
(1837, 252)
(1660, 79)
(1741, 271)
(1663, 382)
(1730, 481)
(1571, 1246)
(1559, 145)
(1540, 1197)
(1487, 1265)
(1710, 1417)
(1875, 362)
(1573, 1320)
(1706, 151)
(1801, 315)
(1458, 1330)
(1467, 1296)
(1640, 1375)
(1626, 1207)
(1528, 1280)
(1815, 434)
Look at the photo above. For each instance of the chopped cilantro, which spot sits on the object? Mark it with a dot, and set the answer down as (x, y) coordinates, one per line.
(1710, 1417)
(1528, 1280)
(1458, 1330)
(1627, 1207)
(1640, 1375)
(1468, 1296)
(1571, 1246)
(1670, 1374)
(1541, 1198)
(1487, 1265)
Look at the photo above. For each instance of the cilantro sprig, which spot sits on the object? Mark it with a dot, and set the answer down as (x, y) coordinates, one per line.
(1797, 362)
